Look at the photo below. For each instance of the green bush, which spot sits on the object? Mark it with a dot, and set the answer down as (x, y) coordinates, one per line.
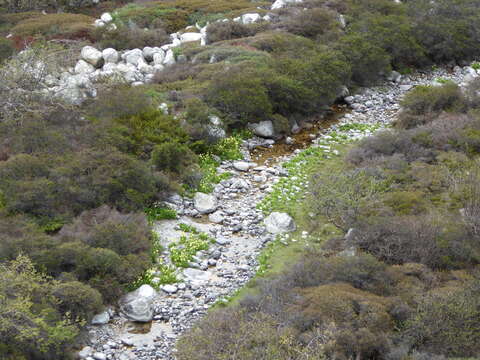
(321, 73)
(153, 15)
(40, 317)
(140, 133)
(368, 60)
(219, 31)
(6, 49)
(129, 37)
(400, 44)
(447, 29)
(316, 23)
(240, 95)
(173, 157)
(423, 104)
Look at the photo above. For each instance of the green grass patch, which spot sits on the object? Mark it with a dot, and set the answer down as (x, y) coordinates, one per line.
(156, 213)
(183, 251)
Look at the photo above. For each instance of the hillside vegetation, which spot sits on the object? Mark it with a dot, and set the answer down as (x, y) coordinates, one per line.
(403, 283)
(77, 182)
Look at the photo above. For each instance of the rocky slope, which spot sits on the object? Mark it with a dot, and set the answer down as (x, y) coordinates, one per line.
(231, 217)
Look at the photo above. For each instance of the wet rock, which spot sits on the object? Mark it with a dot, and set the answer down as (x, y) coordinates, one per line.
(138, 305)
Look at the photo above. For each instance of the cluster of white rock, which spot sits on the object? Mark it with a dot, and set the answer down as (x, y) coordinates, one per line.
(136, 66)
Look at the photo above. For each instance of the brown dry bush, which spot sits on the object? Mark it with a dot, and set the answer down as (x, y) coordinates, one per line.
(105, 227)
(228, 30)
(436, 241)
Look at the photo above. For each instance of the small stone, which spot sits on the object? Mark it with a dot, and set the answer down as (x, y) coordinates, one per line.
(241, 165)
(169, 289)
(101, 319)
(85, 352)
(99, 356)
(127, 341)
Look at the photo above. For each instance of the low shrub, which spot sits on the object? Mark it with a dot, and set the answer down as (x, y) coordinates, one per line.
(129, 37)
(153, 15)
(107, 228)
(173, 157)
(424, 103)
(228, 30)
(55, 25)
(317, 23)
(423, 239)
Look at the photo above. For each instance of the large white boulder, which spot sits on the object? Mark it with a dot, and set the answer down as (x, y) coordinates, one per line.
(241, 165)
(148, 53)
(205, 203)
(278, 223)
(134, 57)
(106, 17)
(278, 4)
(92, 56)
(190, 36)
(110, 55)
(158, 57)
(98, 23)
(250, 18)
(138, 305)
(145, 68)
(263, 129)
(82, 67)
(169, 58)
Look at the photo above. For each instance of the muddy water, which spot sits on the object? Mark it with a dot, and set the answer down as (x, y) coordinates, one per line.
(302, 140)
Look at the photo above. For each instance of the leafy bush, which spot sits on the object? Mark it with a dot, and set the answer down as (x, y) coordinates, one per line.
(182, 253)
(156, 213)
(240, 94)
(173, 156)
(40, 317)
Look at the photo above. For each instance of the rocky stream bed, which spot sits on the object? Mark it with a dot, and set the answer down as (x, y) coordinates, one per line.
(230, 216)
